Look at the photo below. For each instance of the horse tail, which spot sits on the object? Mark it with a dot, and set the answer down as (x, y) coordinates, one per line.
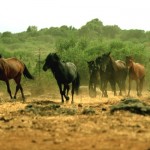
(77, 83)
(26, 73)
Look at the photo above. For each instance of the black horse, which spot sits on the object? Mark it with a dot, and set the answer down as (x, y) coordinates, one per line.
(112, 71)
(94, 78)
(65, 73)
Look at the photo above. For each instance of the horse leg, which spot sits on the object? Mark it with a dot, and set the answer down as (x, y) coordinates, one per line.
(90, 84)
(95, 88)
(105, 89)
(8, 88)
(18, 86)
(114, 84)
(124, 86)
(66, 87)
(102, 88)
(120, 87)
(99, 85)
(21, 89)
(129, 86)
(72, 91)
(141, 85)
(137, 87)
(61, 92)
(90, 87)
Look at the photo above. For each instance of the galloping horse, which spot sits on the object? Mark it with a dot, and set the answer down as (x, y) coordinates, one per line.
(112, 71)
(94, 77)
(137, 73)
(12, 68)
(64, 72)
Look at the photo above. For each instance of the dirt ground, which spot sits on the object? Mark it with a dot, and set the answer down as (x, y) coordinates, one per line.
(43, 123)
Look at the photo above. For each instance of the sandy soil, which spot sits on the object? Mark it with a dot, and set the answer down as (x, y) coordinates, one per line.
(42, 122)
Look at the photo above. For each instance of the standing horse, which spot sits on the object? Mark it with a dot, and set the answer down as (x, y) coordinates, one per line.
(112, 71)
(64, 72)
(94, 78)
(12, 68)
(137, 73)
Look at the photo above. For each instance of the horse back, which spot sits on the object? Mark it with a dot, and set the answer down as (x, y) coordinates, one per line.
(12, 67)
(120, 64)
(71, 69)
(137, 71)
(66, 72)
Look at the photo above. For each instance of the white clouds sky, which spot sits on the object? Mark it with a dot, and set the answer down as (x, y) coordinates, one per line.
(17, 15)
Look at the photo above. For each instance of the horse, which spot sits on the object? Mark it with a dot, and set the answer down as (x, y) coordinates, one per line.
(103, 77)
(94, 77)
(65, 73)
(137, 73)
(113, 72)
(13, 68)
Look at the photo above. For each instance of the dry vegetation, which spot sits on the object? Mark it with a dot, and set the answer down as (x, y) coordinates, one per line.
(42, 122)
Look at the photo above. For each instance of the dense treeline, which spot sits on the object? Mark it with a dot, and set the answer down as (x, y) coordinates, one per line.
(76, 45)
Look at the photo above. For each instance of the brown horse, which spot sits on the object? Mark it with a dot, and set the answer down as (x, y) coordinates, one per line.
(137, 73)
(13, 68)
(112, 71)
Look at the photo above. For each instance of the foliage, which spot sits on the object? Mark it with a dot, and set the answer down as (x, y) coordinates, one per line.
(88, 111)
(76, 45)
(133, 106)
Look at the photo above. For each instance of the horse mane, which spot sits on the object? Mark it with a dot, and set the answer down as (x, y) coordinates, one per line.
(3, 61)
(113, 63)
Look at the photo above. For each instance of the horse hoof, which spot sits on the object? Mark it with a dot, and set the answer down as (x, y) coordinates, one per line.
(67, 98)
(106, 96)
(24, 100)
(139, 95)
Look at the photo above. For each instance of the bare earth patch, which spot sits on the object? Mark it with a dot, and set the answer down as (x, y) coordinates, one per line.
(42, 122)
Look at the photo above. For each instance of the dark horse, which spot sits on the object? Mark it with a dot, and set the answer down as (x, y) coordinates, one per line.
(64, 72)
(112, 71)
(94, 77)
(137, 73)
(12, 68)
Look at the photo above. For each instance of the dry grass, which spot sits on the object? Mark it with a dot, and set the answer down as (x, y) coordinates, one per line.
(42, 122)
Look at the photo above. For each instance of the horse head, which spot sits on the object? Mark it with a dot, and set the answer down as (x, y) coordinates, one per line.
(51, 60)
(98, 60)
(105, 59)
(92, 66)
(129, 61)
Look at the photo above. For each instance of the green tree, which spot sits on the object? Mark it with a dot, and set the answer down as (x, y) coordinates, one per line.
(92, 29)
(111, 31)
(6, 34)
(32, 29)
(133, 35)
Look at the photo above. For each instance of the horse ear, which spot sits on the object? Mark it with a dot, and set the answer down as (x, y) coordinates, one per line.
(129, 57)
(109, 53)
(56, 57)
